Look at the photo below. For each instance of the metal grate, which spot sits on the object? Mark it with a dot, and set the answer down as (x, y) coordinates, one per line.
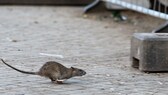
(45, 2)
(157, 8)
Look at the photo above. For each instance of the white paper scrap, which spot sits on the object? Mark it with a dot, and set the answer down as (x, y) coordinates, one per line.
(52, 55)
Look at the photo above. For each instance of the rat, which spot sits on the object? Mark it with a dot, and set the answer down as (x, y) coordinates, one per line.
(55, 71)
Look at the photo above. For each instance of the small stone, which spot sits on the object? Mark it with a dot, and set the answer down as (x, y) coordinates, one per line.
(102, 89)
(36, 22)
(85, 16)
(19, 50)
(108, 75)
(14, 40)
(112, 89)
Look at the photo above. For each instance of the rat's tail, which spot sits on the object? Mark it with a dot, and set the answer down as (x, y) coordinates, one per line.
(25, 72)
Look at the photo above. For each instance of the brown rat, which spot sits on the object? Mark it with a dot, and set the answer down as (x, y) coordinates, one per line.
(54, 71)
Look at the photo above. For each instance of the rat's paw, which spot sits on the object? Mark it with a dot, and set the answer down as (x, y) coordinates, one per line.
(59, 82)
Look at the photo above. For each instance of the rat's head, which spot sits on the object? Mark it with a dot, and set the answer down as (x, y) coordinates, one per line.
(77, 72)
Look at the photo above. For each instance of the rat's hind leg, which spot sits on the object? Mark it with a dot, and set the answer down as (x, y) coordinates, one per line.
(59, 82)
(52, 79)
(56, 80)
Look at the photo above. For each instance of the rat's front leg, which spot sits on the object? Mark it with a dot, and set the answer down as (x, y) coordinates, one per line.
(59, 81)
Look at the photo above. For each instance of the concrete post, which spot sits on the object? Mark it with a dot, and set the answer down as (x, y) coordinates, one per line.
(149, 52)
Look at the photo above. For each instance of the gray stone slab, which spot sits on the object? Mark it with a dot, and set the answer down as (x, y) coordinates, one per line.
(149, 51)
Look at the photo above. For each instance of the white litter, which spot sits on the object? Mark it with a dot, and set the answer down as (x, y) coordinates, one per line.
(11, 40)
(52, 55)
(160, 83)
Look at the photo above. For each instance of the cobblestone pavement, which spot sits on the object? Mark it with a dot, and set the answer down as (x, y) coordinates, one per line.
(93, 42)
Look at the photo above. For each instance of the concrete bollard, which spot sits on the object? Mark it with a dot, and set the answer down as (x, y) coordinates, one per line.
(149, 52)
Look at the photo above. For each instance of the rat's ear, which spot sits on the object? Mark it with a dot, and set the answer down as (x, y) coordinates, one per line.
(72, 68)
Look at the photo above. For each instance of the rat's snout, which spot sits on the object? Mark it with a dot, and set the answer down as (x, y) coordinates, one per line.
(83, 73)
(78, 72)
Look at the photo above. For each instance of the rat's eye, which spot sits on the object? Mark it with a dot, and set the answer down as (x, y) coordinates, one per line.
(81, 70)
